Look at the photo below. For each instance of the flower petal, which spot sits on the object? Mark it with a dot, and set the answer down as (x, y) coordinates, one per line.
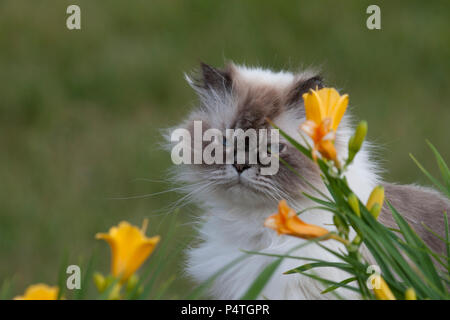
(327, 149)
(313, 107)
(139, 256)
(310, 128)
(287, 222)
(329, 98)
(338, 111)
(304, 230)
(39, 291)
(284, 210)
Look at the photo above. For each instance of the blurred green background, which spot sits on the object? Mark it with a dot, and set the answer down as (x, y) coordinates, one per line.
(80, 110)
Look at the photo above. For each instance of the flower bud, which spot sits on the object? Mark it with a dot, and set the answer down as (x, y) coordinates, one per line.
(410, 294)
(100, 282)
(357, 240)
(382, 291)
(340, 224)
(354, 204)
(115, 292)
(375, 202)
(376, 209)
(132, 282)
(356, 141)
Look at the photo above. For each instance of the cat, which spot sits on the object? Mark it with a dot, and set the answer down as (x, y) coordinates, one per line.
(236, 199)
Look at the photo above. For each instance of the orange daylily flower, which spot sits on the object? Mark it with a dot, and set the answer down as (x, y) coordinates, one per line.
(129, 248)
(39, 291)
(324, 111)
(286, 221)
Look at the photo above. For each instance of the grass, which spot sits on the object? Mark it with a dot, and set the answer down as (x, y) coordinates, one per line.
(80, 110)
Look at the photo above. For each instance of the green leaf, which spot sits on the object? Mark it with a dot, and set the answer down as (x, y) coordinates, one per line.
(329, 282)
(86, 276)
(445, 171)
(302, 149)
(6, 289)
(260, 282)
(430, 177)
(324, 208)
(412, 251)
(434, 233)
(422, 259)
(339, 285)
(309, 266)
(105, 294)
(163, 289)
(197, 292)
(320, 201)
(258, 285)
(381, 242)
(292, 141)
(148, 286)
(447, 238)
(62, 276)
(284, 162)
(157, 262)
(285, 256)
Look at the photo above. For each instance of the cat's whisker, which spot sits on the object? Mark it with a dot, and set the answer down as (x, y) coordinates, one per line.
(181, 188)
(183, 201)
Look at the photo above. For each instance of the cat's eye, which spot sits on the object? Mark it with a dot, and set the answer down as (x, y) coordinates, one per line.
(224, 141)
(273, 146)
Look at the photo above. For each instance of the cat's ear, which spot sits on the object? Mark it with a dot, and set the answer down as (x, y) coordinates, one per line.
(215, 79)
(302, 86)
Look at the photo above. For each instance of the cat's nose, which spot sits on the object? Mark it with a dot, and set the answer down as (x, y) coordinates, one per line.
(241, 167)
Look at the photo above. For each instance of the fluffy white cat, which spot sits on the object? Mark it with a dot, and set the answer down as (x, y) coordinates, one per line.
(236, 200)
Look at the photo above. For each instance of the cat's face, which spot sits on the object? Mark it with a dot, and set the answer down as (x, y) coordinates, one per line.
(242, 98)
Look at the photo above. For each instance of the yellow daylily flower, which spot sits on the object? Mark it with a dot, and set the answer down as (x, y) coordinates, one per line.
(286, 221)
(382, 292)
(129, 248)
(324, 111)
(39, 291)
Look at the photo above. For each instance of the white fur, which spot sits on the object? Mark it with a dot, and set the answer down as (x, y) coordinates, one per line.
(233, 220)
(261, 76)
